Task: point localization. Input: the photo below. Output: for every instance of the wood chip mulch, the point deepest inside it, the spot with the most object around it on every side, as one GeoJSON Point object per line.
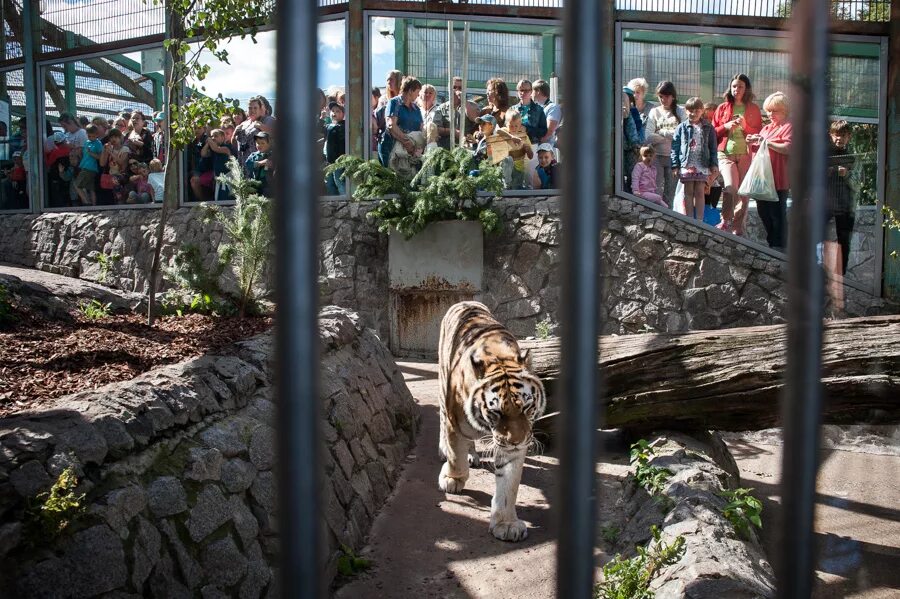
{"type": "Point", "coordinates": [42, 359]}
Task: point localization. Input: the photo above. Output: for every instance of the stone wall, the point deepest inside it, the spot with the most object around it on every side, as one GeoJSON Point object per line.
{"type": "Point", "coordinates": [178, 470]}
{"type": "Point", "coordinates": [660, 273]}
{"type": "Point", "coordinates": [861, 268]}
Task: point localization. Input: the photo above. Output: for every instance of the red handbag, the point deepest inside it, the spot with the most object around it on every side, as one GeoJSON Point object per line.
{"type": "Point", "coordinates": [107, 181]}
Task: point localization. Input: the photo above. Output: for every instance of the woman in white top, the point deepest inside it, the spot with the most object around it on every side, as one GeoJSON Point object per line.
{"type": "Point", "coordinates": [659, 130]}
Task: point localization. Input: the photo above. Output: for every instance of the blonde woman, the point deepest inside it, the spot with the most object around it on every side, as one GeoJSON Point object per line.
{"type": "Point", "coordinates": [640, 87]}
{"type": "Point", "coordinates": [778, 139]}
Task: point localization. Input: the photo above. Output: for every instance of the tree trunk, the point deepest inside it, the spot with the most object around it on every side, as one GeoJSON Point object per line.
{"type": "Point", "coordinates": [732, 379]}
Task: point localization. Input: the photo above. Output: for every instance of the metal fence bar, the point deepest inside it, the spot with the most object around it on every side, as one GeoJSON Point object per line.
{"type": "Point", "coordinates": [802, 400]}
{"type": "Point", "coordinates": [296, 222]}
{"type": "Point", "coordinates": [588, 71]}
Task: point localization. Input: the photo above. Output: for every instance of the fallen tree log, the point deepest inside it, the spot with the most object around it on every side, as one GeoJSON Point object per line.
{"type": "Point", "coordinates": [732, 379]}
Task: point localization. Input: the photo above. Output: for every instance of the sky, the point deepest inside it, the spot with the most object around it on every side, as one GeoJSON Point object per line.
{"type": "Point", "coordinates": [252, 67]}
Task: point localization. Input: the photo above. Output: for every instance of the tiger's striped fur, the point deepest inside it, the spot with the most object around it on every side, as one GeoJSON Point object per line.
{"type": "Point", "coordinates": [486, 389]}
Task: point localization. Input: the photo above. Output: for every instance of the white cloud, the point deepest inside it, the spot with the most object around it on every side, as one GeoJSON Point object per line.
{"type": "Point", "coordinates": [332, 34]}
{"type": "Point", "coordinates": [334, 65]}
{"type": "Point", "coordinates": [251, 68]}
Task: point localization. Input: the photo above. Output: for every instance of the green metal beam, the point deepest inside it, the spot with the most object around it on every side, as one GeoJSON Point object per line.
{"type": "Point", "coordinates": [69, 78]}
{"type": "Point", "coordinates": [742, 42]}
{"type": "Point", "coordinates": [489, 27]}
{"type": "Point", "coordinates": [707, 72]}
{"type": "Point", "coordinates": [31, 44]}
{"type": "Point", "coordinates": [400, 58]}
{"type": "Point", "coordinates": [548, 54]}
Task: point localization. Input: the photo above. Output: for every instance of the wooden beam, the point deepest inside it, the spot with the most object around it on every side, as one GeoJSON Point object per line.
{"type": "Point", "coordinates": [732, 379]}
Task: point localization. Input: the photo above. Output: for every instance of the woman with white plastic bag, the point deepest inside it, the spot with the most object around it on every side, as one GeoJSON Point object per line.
{"type": "Point", "coordinates": [772, 143]}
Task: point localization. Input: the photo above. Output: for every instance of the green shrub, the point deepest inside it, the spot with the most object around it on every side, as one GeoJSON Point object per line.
{"type": "Point", "coordinates": [106, 262]}
{"type": "Point", "coordinates": [248, 226]}
{"type": "Point", "coordinates": [630, 578]}
{"type": "Point", "coordinates": [349, 564]}
{"type": "Point", "coordinates": [52, 512]}
{"type": "Point", "coordinates": [652, 478]}
{"type": "Point", "coordinates": [743, 510]}
{"type": "Point", "coordinates": [544, 328]}
{"type": "Point", "coordinates": [94, 310]}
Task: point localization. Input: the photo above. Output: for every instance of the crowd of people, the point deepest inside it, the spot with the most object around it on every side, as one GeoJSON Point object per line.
{"type": "Point", "coordinates": [407, 121]}
{"type": "Point", "coordinates": [122, 160]}
{"type": "Point", "coordinates": [689, 157]}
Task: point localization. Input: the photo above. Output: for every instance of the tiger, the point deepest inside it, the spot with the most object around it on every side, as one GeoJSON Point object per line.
{"type": "Point", "coordinates": [485, 388]}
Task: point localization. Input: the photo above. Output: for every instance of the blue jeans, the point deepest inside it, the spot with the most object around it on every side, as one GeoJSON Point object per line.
{"type": "Point", "coordinates": [335, 184]}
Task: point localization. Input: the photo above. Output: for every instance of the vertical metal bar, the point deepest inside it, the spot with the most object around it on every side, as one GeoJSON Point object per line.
{"type": "Point", "coordinates": [297, 339]}
{"type": "Point", "coordinates": [450, 81]}
{"type": "Point", "coordinates": [34, 136]}
{"type": "Point", "coordinates": [359, 110]}
{"type": "Point", "coordinates": [802, 400]}
{"type": "Point", "coordinates": [462, 93]}
{"type": "Point", "coordinates": [587, 72]}
{"type": "Point", "coordinates": [892, 152]}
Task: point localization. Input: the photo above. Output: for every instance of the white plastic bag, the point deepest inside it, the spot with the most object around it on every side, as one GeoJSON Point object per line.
{"type": "Point", "coordinates": [759, 183]}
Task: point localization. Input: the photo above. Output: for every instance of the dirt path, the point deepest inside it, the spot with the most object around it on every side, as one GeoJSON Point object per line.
{"type": "Point", "coordinates": [427, 545]}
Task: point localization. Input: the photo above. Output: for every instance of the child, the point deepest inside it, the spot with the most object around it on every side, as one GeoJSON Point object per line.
{"type": "Point", "coordinates": [486, 126]}
{"type": "Point", "coordinates": [694, 156]}
{"type": "Point", "coordinates": [142, 192]}
{"type": "Point", "coordinates": [157, 179]}
{"type": "Point", "coordinates": [841, 193]}
{"type": "Point", "coordinates": [335, 147]}
{"type": "Point", "coordinates": [520, 148]}
{"type": "Point", "coordinates": [260, 164]}
{"type": "Point", "coordinates": [86, 181]}
{"type": "Point", "coordinates": [431, 136]}
{"type": "Point", "coordinates": [547, 170]}
{"type": "Point", "coordinates": [714, 184]}
{"type": "Point", "coordinates": [216, 153]}
{"type": "Point", "coordinates": [643, 178]}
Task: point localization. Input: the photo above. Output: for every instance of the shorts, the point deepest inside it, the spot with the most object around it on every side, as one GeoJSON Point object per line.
{"type": "Point", "coordinates": [208, 179]}
{"type": "Point", "coordinates": [85, 180]}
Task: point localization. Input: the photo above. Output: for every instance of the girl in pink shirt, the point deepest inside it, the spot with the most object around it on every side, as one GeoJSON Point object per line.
{"type": "Point", "coordinates": [643, 178]}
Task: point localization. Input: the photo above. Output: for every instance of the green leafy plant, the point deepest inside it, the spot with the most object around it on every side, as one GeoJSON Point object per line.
{"type": "Point", "coordinates": [630, 578]}
{"type": "Point", "coordinates": [94, 309]}
{"type": "Point", "coordinates": [196, 285]}
{"type": "Point", "coordinates": [248, 225]}
{"type": "Point", "coordinates": [52, 512]}
{"type": "Point", "coordinates": [6, 308]}
{"type": "Point", "coordinates": [652, 478]}
{"type": "Point", "coordinates": [349, 564]}
{"type": "Point", "coordinates": [544, 328]}
{"type": "Point", "coordinates": [446, 188]}
{"type": "Point", "coordinates": [891, 222]}
{"type": "Point", "coordinates": [743, 510]}
{"type": "Point", "coordinates": [610, 533]}
{"type": "Point", "coordinates": [106, 262]}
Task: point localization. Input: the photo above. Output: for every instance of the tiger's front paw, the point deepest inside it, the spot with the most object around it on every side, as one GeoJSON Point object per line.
{"type": "Point", "coordinates": [513, 531]}
{"type": "Point", "coordinates": [450, 484]}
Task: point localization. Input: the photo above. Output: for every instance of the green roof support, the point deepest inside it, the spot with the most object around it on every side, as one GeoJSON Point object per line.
{"type": "Point", "coordinates": [69, 77]}
{"type": "Point", "coordinates": [401, 60]}
{"type": "Point", "coordinates": [33, 123]}
{"type": "Point", "coordinates": [548, 54]}
{"type": "Point", "coordinates": [707, 73]}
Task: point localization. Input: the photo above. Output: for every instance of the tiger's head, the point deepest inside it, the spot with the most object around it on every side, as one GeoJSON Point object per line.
{"type": "Point", "coordinates": [506, 400]}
